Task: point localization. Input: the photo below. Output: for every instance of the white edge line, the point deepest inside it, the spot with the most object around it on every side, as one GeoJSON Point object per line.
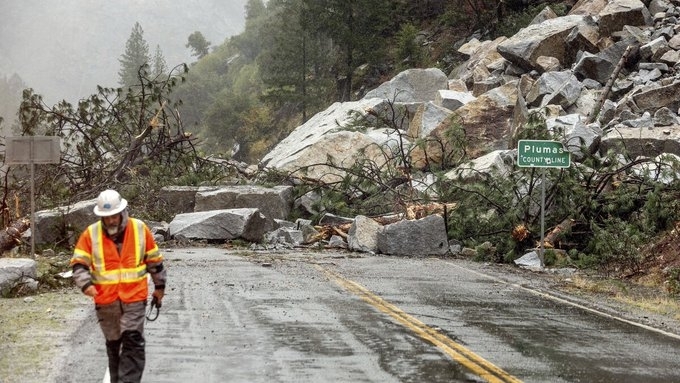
{"type": "Point", "coordinates": [561, 300]}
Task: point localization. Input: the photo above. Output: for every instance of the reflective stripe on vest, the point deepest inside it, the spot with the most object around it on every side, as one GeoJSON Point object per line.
{"type": "Point", "coordinates": [82, 257]}
{"type": "Point", "coordinates": [100, 274]}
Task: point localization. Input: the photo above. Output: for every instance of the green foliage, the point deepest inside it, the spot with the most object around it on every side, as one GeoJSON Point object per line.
{"type": "Point", "coordinates": [356, 29]}
{"type": "Point", "coordinates": [549, 257]}
{"type": "Point", "coordinates": [485, 211]}
{"type": "Point", "coordinates": [515, 21]}
{"type": "Point", "coordinates": [255, 9]}
{"type": "Point", "coordinates": [130, 140]}
{"type": "Point", "coordinates": [485, 252]}
{"type": "Point", "coordinates": [408, 49]}
{"type": "Point", "coordinates": [617, 244]}
{"type": "Point", "coordinates": [249, 43]}
{"type": "Point", "coordinates": [296, 66]}
{"type": "Point", "coordinates": [159, 67]}
{"type": "Point", "coordinates": [198, 45]}
{"type": "Point", "coordinates": [135, 61]}
{"type": "Point", "coordinates": [237, 121]}
{"type": "Point", "coordinates": [673, 281]}
{"type": "Point", "coordinates": [661, 209]}
{"type": "Point", "coordinates": [453, 17]}
{"type": "Point", "coordinates": [518, 16]}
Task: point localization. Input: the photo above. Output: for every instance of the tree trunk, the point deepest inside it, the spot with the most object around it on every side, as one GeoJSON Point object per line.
{"type": "Point", "coordinates": [11, 236]}
{"type": "Point", "coordinates": [556, 234]}
{"type": "Point", "coordinates": [595, 113]}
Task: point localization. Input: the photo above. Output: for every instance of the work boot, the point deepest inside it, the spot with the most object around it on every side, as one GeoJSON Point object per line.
{"type": "Point", "coordinates": [132, 357]}
{"type": "Point", "coordinates": [113, 351]}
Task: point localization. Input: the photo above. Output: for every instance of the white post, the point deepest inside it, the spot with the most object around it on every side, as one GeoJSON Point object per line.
{"type": "Point", "coordinates": [541, 255]}
{"type": "Point", "coordinates": [33, 231]}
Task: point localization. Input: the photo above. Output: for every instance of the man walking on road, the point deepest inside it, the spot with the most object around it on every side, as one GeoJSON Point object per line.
{"type": "Point", "coordinates": [110, 263]}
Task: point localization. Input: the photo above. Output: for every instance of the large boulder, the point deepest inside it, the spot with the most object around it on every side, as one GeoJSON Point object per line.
{"type": "Point", "coordinates": [561, 38]}
{"type": "Point", "coordinates": [274, 202]}
{"type": "Point", "coordinates": [422, 237]}
{"type": "Point", "coordinates": [363, 234]}
{"type": "Point", "coordinates": [499, 163]}
{"type": "Point", "coordinates": [643, 141]}
{"type": "Point", "coordinates": [332, 135]}
{"type": "Point", "coordinates": [14, 271]}
{"type": "Point", "coordinates": [426, 119]}
{"type": "Point", "coordinates": [487, 122]}
{"type": "Point", "coordinates": [483, 58]}
{"type": "Point", "coordinates": [656, 97]}
{"type": "Point", "coordinates": [220, 225]}
{"type": "Point", "coordinates": [619, 13]}
{"type": "Point", "coordinates": [63, 225]}
{"type": "Point", "coordinates": [181, 199]}
{"type": "Point", "coordinates": [555, 88]}
{"type": "Point", "coordinates": [412, 85]}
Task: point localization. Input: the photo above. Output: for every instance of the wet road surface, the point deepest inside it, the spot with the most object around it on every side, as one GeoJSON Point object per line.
{"type": "Point", "coordinates": [323, 317]}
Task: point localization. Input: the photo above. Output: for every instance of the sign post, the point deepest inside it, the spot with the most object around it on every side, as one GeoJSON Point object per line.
{"type": "Point", "coordinates": [542, 154]}
{"type": "Point", "coordinates": [32, 150]}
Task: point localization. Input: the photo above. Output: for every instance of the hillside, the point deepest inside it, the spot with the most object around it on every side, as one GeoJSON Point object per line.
{"type": "Point", "coordinates": [252, 90]}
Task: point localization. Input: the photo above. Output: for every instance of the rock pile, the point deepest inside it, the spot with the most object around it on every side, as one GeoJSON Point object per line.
{"type": "Point", "coordinates": [606, 75]}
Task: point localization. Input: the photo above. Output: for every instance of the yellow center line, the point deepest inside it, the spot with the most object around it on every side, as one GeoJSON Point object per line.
{"type": "Point", "coordinates": [475, 363]}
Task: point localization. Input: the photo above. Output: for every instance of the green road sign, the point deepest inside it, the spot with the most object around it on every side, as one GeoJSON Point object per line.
{"type": "Point", "coordinates": [542, 154]}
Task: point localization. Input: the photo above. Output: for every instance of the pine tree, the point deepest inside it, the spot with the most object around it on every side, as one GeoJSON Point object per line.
{"type": "Point", "coordinates": [249, 43]}
{"type": "Point", "coordinates": [135, 57]}
{"type": "Point", "coordinates": [198, 44]}
{"type": "Point", "coordinates": [160, 67]}
{"type": "Point", "coordinates": [296, 60]}
{"type": "Point", "coordinates": [255, 9]}
{"type": "Point", "coordinates": [356, 28]}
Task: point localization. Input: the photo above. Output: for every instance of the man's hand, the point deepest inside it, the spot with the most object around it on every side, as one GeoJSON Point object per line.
{"type": "Point", "coordinates": [90, 291]}
{"type": "Point", "coordinates": [158, 294]}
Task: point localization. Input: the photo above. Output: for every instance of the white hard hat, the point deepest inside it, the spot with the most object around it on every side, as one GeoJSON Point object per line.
{"type": "Point", "coordinates": [109, 203]}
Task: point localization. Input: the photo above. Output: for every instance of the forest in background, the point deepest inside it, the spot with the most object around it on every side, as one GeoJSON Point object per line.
{"type": "Point", "coordinates": [296, 57]}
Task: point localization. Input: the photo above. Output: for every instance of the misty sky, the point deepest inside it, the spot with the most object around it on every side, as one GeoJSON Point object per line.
{"type": "Point", "coordinates": [63, 49]}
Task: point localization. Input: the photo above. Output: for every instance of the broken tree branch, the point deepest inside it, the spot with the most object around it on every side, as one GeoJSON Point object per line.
{"type": "Point", "coordinates": [608, 87]}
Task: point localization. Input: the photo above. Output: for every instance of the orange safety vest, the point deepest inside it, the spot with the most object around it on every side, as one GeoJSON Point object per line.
{"type": "Point", "coordinates": [118, 276]}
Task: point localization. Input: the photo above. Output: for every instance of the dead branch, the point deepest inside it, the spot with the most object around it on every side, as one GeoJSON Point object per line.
{"type": "Point", "coordinates": [608, 87]}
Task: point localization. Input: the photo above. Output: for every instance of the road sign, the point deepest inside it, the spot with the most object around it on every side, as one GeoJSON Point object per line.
{"type": "Point", "coordinates": [32, 149]}
{"type": "Point", "coordinates": [542, 154]}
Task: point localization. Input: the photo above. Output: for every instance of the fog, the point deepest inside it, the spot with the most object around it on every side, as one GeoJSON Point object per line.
{"type": "Point", "coordinates": [63, 49]}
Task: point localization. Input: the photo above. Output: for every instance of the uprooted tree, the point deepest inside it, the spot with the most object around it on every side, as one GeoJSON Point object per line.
{"type": "Point", "coordinates": [598, 212]}
{"type": "Point", "coordinates": [131, 139]}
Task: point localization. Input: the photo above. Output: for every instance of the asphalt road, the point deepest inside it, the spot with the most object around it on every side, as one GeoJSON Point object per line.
{"type": "Point", "coordinates": [325, 317]}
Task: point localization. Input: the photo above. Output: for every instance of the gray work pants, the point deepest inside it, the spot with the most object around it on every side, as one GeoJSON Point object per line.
{"type": "Point", "coordinates": [123, 328]}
